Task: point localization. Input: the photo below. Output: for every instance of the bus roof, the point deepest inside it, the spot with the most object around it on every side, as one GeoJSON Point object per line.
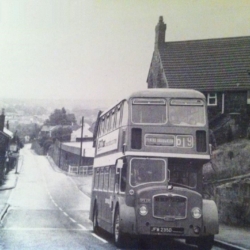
{"type": "Point", "coordinates": [167, 92]}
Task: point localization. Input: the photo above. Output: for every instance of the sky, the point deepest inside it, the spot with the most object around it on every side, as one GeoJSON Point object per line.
{"type": "Point", "coordinates": [99, 50]}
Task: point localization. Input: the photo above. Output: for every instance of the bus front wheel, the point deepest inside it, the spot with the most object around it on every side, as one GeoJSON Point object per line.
{"type": "Point", "coordinates": [119, 238]}
{"type": "Point", "coordinates": [95, 221]}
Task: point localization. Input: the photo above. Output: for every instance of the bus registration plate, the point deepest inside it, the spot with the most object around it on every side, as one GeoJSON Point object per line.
{"type": "Point", "coordinates": [156, 230]}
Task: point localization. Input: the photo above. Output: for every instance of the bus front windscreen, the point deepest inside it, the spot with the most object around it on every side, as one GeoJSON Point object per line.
{"type": "Point", "coordinates": [144, 171]}
{"type": "Point", "coordinates": [187, 112]}
{"type": "Point", "coordinates": [149, 111]}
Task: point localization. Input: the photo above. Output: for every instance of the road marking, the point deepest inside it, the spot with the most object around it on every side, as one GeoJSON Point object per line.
{"type": "Point", "coordinates": [99, 238]}
{"type": "Point", "coordinates": [81, 226]}
{"type": "Point", "coordinates": [48, 191]}
{"type": "Point", "coordinates": [72, 219]}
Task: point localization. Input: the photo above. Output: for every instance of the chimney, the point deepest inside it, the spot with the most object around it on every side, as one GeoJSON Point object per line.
{"type": "Point", "coordinates": [2, 120]}
{"type": "Point", "coordinates": [160, 31]}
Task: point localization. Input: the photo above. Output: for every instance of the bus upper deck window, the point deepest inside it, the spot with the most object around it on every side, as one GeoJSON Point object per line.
{"type": "Point", "coordinates": [108, 123]}
{"type": "Point", "coordinates": [149, 111]}
{"type": "Point", "coordinates": [187, 112]}
{"type": "Point", "coordinates": [118, 116]}
{"type": "Point", "coordinates": [103, 125]}
{"type": "Point", "coordinates": [112, 125]}
{"type": "Point", "coordinates": [115, 117]}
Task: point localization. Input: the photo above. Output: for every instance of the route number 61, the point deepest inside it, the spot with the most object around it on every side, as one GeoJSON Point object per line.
{"type": "Point", "coordinates": [184, 141]}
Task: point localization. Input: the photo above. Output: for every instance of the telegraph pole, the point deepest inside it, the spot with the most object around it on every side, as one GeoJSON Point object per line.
{"type": "Point", "coordinates": [80, 160]}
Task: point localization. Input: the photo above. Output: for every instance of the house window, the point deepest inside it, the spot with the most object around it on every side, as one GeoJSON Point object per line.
{"type": "Point", "coordinates": [212, 99]}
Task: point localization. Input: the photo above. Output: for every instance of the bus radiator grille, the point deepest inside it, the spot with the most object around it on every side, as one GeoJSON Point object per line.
{"type": "Point", "coordinates": [169, 207]}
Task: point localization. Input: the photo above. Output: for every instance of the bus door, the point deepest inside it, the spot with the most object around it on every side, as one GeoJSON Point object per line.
{"type": "Point", "coordinates": [118, 168]}
{"type": "Point", "coordinates": [121, 177]}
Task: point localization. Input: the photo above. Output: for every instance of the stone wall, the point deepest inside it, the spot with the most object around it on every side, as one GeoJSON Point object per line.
{"type": "Point", "coordinates": [63, 158]}
{"type": "Point", "coordinates": [227, 181]}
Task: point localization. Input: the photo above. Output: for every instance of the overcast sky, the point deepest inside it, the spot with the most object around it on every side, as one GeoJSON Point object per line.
{"type": "Point", "coordinates": [86, 49]}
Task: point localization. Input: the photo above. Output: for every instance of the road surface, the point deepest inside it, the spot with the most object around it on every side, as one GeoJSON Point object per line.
{"type": "Point", "coordinates": [48, 211]}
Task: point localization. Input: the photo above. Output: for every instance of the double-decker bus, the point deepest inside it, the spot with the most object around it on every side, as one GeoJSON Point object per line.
{"type": "Point", "coordinates": [147, 180]}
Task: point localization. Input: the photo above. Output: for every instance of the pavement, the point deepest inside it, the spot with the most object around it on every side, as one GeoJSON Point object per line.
{"type": "Point", "coordinates": [235, 237]}
{"type": "Point", "coordinates": [9, 183]}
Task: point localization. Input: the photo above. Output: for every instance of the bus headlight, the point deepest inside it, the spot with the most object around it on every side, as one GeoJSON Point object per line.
{"type": "Point", "coordinates": [143, 210]}
{"type": "Point", "coordinates": [196, 212]}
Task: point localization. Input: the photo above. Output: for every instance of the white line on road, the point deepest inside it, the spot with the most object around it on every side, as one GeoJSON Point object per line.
{"type": "Point", "coordinates": [48, 191]}
{"type": "Point", "coordinates": [72, 219]}
{"type": "Point", "coordinates": [99, 238]}
{"type": "Point", "coordinates": [81, 226]}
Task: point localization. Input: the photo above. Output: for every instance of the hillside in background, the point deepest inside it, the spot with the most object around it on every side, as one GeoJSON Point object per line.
{"type": "Point", "coordinates": [28, 116]}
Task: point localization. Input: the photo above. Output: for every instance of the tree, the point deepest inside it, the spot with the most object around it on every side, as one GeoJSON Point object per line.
{"type": "Point", "coordinates": [62, 133]}
{"type": "Point", "coordinates": [60, 117]}
{"type": "Point", "coordinates": [62, 122]}
{"type": "Point", "coordinates": [31, 130]}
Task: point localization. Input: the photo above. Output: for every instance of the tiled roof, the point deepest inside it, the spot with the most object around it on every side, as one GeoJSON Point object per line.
{"type": "Point", "coordinates": [86, 132]}
{"type": "Point", "coordinates": [8, 132]}
{"type": "Point", "coordinates": [208, 65]}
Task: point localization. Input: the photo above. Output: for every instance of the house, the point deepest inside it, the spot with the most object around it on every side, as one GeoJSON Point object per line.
{"type": "Point", "coordinates": [219, 68]}
{"type": "Point", "coordinates": [86, 136]}
{"type": "Point", "coordinates": [46, 131]}
{"type": "Point", "coordinates": [71, 151]}
{"type": "Point", "coordinates": [5, 137]}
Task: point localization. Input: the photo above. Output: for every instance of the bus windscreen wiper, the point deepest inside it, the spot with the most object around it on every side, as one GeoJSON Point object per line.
{"type": "Point", "coordinates": [178, 184]}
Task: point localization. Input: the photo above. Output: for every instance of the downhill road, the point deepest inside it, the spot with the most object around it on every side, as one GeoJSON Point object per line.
{"type": "Point", "coordinates": [48, 211]}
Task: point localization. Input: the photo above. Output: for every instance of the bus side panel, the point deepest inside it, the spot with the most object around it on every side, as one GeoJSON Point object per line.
{"type": "Point", "coordinates": [91, 211]}
{"type": "Point", "coordinates": [210, 218]}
